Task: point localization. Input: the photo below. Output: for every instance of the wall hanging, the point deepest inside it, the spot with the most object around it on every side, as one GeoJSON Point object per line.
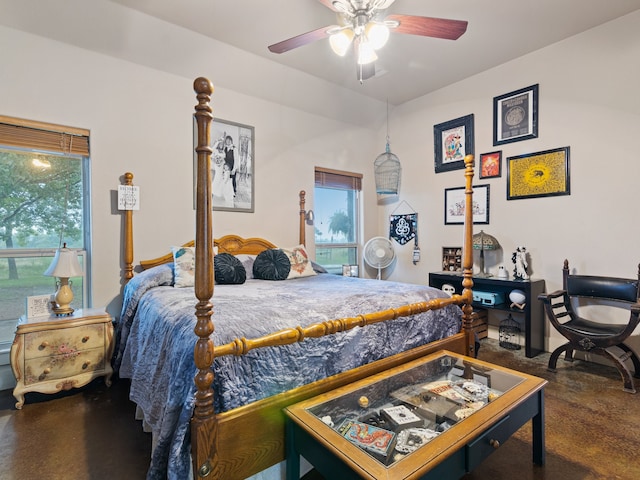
{"type": "Point", "coordinates": [404, 227]}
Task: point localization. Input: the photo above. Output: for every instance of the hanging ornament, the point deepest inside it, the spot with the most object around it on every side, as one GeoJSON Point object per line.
{"type": "Point", "coordinates": [387, 169]}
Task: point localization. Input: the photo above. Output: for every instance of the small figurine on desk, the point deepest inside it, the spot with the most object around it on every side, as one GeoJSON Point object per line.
{"type": "Point", "coordinates": [519, 258]}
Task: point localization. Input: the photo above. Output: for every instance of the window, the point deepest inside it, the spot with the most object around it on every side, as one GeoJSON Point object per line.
{"type": "Point", "coordinates": [336, 208]}
{"type": "Point", "coordinates": [44, 203]}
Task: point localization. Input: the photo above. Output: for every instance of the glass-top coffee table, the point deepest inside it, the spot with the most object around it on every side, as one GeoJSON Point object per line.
{"type": "Point", "coordinates": [437, 417]}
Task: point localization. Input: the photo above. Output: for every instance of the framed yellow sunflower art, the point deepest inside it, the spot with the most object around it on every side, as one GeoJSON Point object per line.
{"type": "Point", "coordinates": [540, 174]}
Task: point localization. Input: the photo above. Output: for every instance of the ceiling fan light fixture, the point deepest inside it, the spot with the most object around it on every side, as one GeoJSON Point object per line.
{"type": "Point", "coordinates": [366, 53]}
{"type": "Point", "coordinates": [377, 34]}
{"type": "Point", "coordinates": [340, 41]}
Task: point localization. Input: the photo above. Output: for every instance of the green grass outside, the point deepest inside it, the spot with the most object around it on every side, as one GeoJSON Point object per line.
{"type": "Point", "coordinates": [31, 281]}
{"type": "Point", "coordinates": [333, 258]}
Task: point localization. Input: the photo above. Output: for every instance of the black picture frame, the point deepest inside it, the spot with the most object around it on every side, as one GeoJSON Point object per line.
{"type": "Point", "coordinates": [490, 165]}
{"type": "Point", "coordinates": [540, 174]}
{"type": "Point", "coordinates": [227, 196]}
{"type": "Point", "coordinates": [454, 205]}
{"type": "Point", "coordinates": [452, 141]}
{"type": "Point", "coordinates": [515, 116]}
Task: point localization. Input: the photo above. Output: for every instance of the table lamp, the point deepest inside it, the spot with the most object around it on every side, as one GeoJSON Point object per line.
{"type": "Point", "coordinates": [64, 265]}
{"type": "Point", "coordinates": [482, 242]}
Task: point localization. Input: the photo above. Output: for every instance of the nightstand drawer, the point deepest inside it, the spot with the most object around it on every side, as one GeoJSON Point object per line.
{"type": "Point", "coordinates": [64, 341]}
{"type": "Point", "coordinates": [63, 366]}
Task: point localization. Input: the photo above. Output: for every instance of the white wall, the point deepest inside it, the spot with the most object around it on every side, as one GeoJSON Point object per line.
{"type": "Point", "coordinates": [588, 101]}
{"type": "Point", "coordinates": [140, 121]}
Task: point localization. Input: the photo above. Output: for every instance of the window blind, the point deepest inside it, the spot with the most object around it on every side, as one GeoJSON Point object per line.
{"type": "Point", "coordinates": [326, 177]}
{"type": "Point", "coordinates": [15, 132]}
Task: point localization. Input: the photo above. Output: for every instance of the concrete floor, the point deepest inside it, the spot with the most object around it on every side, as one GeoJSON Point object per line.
{"type": "Point", "coordinates": [592, 430]}
{"type": "Point", "coordinates": [88, 433]}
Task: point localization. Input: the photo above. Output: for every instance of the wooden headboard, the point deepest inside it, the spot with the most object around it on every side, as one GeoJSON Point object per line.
{"type": "Point", "coordinates": [232, 244]}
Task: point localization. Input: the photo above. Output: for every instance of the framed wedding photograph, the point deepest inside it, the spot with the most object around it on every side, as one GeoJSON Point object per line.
{"type": "Point", "coordinates": [490, 165]}
{"type": "Point", "coordinates": [454, 205]}
{"type": "Point", "coordinates": [515, 116]}
{"type": "Point", "coordinates": [452, 140]}
{"type": "Point", "coordinates": [232, 165]}
{"type": "Point", "coordinates": [540, 174]}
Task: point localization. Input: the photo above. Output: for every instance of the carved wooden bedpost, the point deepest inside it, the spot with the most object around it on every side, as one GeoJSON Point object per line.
{"type": "Point", "coordinates": [203, 423]}
{"type": "Point", "coordinates": [128, 236]}
{"type": "Point", "coordinates": [467, 260]}
{"type": "Point", "coordinates": [303, 213]}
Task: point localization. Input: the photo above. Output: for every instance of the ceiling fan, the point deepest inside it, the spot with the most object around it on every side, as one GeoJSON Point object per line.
{"type": "Point", "coordinates": [363, 24]}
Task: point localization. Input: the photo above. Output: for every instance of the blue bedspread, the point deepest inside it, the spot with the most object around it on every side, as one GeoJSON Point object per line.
{"type": "Point", "coordinates": [155, 342]}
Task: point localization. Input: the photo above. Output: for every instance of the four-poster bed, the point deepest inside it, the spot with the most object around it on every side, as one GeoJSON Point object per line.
{"type": "Point", "coordinates": [240, 440]}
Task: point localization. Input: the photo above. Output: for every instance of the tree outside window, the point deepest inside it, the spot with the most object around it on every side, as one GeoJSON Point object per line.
{"type": "Point", "coordinates": [41, 206]}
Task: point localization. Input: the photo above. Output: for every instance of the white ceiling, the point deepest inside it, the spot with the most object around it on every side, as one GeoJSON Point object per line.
{"type": "Point", "coordinates": [412, 66]}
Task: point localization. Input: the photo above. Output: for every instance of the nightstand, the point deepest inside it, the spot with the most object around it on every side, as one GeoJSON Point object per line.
{"type": "Point", "coordinates": [50, 354]}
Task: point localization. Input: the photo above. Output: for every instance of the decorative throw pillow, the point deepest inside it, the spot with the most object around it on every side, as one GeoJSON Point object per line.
{"type": "Point", "coordinates": [184, 266]}
{"type": "Point", "coordinates": [228, 269]}
{"type": "Point", "coordinates": [247, 261]}
{"type": "Point", "coordinates": [272, 264]}
{"type": "Point", "coordinates": [300, 263]}
{"type": "Point", "coordinates": [318, 268]}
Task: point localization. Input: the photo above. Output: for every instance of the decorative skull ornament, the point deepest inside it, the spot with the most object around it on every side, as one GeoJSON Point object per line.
{"type": "Point", "coordinates": [448, 289]}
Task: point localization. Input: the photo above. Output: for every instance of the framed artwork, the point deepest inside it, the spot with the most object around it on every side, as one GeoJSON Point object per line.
{"type": "Point", "coordinates": [454, 205]}
{"type": "Point", "coordinates": [232, 165]}
{"type": "Point", "coordinates": [515, 116]}
{"type": "Point", "coordinates": [452, 140]}
{"type": "Point", "coordinates": [541, 174]}
{"type": "Point", "coordinates": [491, 164]}
{"type": "Point", "coordinates": [350, 270]}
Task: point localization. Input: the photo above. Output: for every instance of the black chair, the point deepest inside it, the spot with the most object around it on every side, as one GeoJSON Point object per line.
{"type": "Point", "coordinates": [585, 335]}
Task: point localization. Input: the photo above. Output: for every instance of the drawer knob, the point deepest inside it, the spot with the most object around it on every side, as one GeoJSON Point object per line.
{"type": "Point", "coordinates": [494, 443]}
{"type": "Point", "coordinates": [46, 371]}
{"type": "Point", "coordinates": [86, 364]}
{"type": "Point", "coordinates": [43, 345]}
{"type": "Point", "coordinates": [85, 339]}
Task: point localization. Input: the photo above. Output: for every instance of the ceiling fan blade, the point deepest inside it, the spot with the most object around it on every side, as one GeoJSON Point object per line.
{"type": "Point", "coordinates": [382, 4]}
{"type": "Point", "coordinates": [429, 26]}
{"type": "Point", "coordinates": [300, 40]}
{"type": "Point", "coordinates": [328, 4]}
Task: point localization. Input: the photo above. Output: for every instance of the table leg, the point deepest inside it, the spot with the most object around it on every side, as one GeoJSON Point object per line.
{"type": "Point", "coordinates": [537, 424]}
{"type": "Point", "coordinates": [293, 457]}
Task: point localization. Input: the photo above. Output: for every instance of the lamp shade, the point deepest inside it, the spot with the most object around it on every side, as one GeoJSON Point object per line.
{"type": "Point", "coordinates": [341, 41]}
{"type": "Point", "coordinates": [365, 52]}
{"type": "Point", "coordinates": [378, 34]}
{"type": "Point", "coordinates": [65, 264]}
{"type": "Point", "coordinates": [483, 241]}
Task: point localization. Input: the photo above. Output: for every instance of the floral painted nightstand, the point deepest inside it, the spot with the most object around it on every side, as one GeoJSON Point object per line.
{"type": "Point", "coordinates": [50, 354]}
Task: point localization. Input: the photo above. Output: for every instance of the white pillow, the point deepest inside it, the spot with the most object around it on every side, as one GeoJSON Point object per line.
{"type": "Point", "coordinates": [300, 262]}
{"type": "Point", "coordinates": [184, 266]}
{"type": "Point", "coordinates": [247, 262]}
